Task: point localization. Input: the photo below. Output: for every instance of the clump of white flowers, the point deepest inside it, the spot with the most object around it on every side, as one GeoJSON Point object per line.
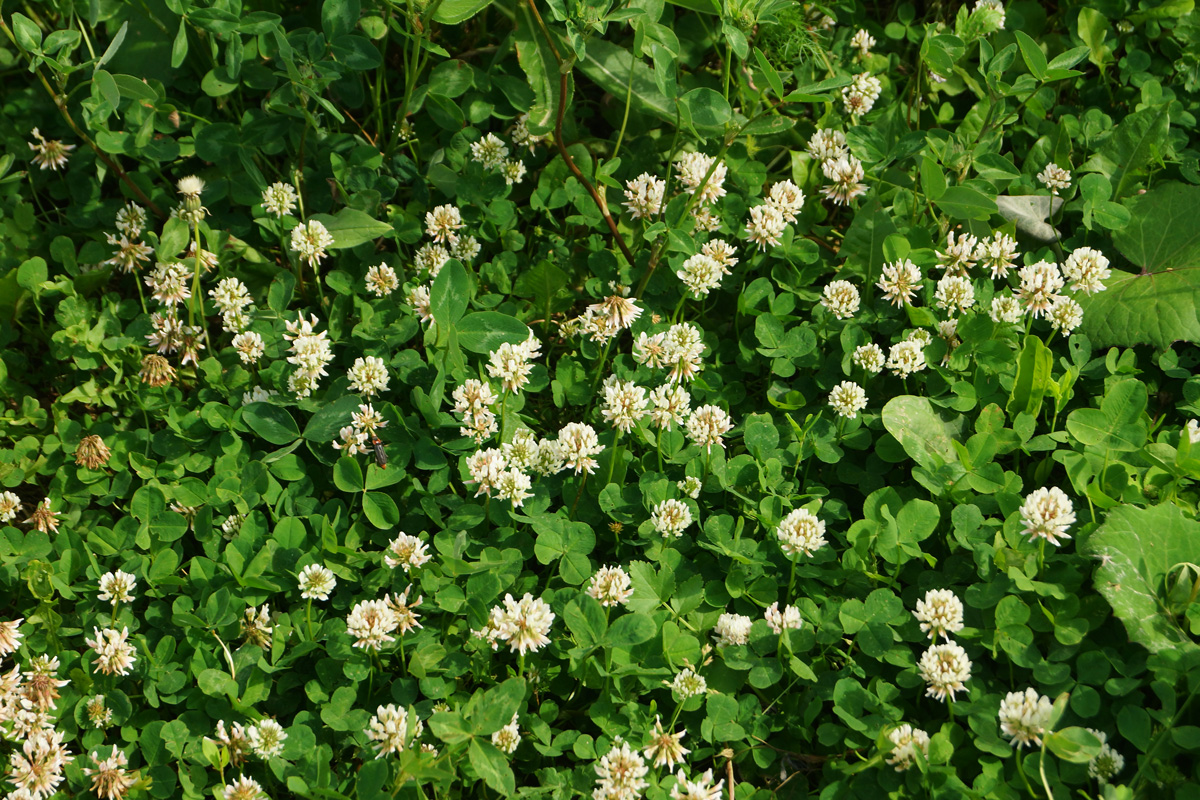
{"type": "Point", "coordinates": [960, 253]}
{"type": "Point", "coordinates": [692, 169]}
{"type": "Point", "coordinates": [114, 654]}
{"type": "Point", "coordinates": [489, 152]}
{"type": "Point", "coordinates": [117, 587]}
{"type": "Point", "coordinates": [624, 403]}
{"type": "Point", "coordinates": [1087, 270]}
{"type": "Point", "coordinates": [620, 774]}
{"type": "Point", "coordinates": [407, 552]}
{"type": "Point", "coordinates": [524, 624]}
{"type": "Point", "coordinates": [266, 739]}
{"type": "Point", "coordinates": [845, 175]}
{"type": "Point", "coordinates": [732, 629]}
{"type": "Point", "coordinates": [49, 153]}
{"type": "Point", "coordinates": [700, 274]}
{"type": "Point", "coordinates": [841, 298]}
{"type": "Point", "coordinates": [907, 357]}
{"type": "Point", "coordinates": [368, 376]}
{"type": "Point", "coordinates": [316, 582]}
{"type": "Point", "coordinates": [644, 196]}
{"type": "Point", "coordinates": [766, 225]}
{"type": "Point", "coordinates": [869, 357]}
{"type": "Point", "coordinates": [356, 437]}
{"type": "Point", "coordinates": [310, 352]}
{"type": "Point", "coordinates": [954, 294]}
{"type": "Point", "coordinates": [311, 241]}
{"type": "Point", "coordinates": [847, 399]}
{"type": "Point", "coordinates": [1046, 514]}
{"type": "Point", "coordinates": [671, 518]}
{"type": "Point", "coordinates": [827, 144]}
{"type": "Point", "coordinates": [786, 620]}
{"type": "Point", "coordinates": [860, 96]}
{"type": "Point", "coordinates": [1055, 178]}
{"type": "Point", "coordinates": [801, 533]}
{"type": "Point", "coordinates": [472, 402]}
{"type": "Point", "coordinates": [578, 443]}
{"type": "Point", "coordinates": [906, 741]}
{"type": "Point", "coordinates": [382, 280]}
{"type": "Point", "coordinates": [1039, 287]}
{"type": "Point", "coordinates": [443, 223]}
{"type": "Point", "coordinates": [940, 613]}
{"type": "Point", "coordinates": [279, 199]}
{"type": "Point", "coordinates": [708, 425]}
{"type": "Point", "coordinates": [900, 281]}
{"type": "Point", "coordinates": [689, 683]}
{"type": "Point", "coordinates": [998, 254]}
{"type": "Point", "coordinates": [1024, 717]}
{"type": "Point", "coordinates": [946, 668]}
{"type": "Point", "coordinates": [610, 586]}
{"type": "Point", "coordinates": [511, 364]}
{"type": "Point", "coordinates": [393, 730]}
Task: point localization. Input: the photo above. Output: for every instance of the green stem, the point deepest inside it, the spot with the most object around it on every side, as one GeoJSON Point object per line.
{"type": "Point", "coordinates": [612, 461]}
{"type": "Point", "coordinates": [1042, 772]}
{"type": "Point", "coordinates": [308, 619]}
{"type": "Point", "coordinates": [628, 98]}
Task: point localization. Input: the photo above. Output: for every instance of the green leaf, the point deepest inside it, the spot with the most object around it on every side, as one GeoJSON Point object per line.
{"type": "Point", "coordinates": [541, 70]}
{"type": "Point", "coordinates": [347, 474]}
{"type": "Point", "coordinates": [1033, 381]}
{"type": "Point", "coordinates": [769, 73]}
{"type": "Point", "coordinates": [174, 238]}
{"type": "Point", "coordinates": [631, 629]}
{"type": "Point", "coordinates": [1035, 59]}
{"type": "Point", "coordinates": [484, 331]}
{"type": "Point", "coordinates": [706, 110]}
{"type": "Point", "coordinates": [1077, 745]}
{"type": "Point", "coordinates": [1137, 549]}
{"type": "Point", "coordinates": [933, 179]}
{"type": "Point", "coordinates": [450, 727]}
{"type": "Point", "coordinates": [324, 426]}
{"type": "Point", "coordinates": [920, 431]}
{"type": "Point", "coordinates": [450, 294]}
{"type": "Point", "coordinates": [1118, 424]}
{"type": "Point", "coordinates": [351, 227]}
{"type": "Point", "coordinates": [1140, 137]}
{"type": "Point", "coordinates": [452, 12]}
{"type": "Point", "coordinates": [108, 87]}
{"type": "Point", "coordinates": [497, 707]}
{"type": "Point", "coordinates": [27, 33]}
{"type": "Point", "coordinates": [381, 510]}
{"type": "Point", "coordinates": [272, 423]}
{"type": "Point", "coordinates": [338, 17]}
{"type": "Point", "coordinates": [492, 766]}
{"type": "Point", "coordinates": [963, 202]}
{"type": "Point", "coordinates": [32, 274]}
{"type": "Point", "coordinates": [608, 65]}
{"type": "Point", "coordinates": [1092, 28]}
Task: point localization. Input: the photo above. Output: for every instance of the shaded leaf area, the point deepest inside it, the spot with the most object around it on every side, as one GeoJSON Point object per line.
{"type": "Point", "coordinates": [1159, 305]}
{"type": "Point", "coordinates": [1139, 548]}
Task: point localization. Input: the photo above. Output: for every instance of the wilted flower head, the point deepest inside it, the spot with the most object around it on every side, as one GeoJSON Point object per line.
{"type": "Point", "coordinates": [156, 371]}
{"type": "Point", "coordinates": [92, 452]}
{"type": "Point", "coordinates": [44, 518]}
{"type": "Point", "coordinates": [1024, 717]}
{"type": "Point", "coordinates": [256, 625]}
{"type": "Point", "coordinates": [665, 749]}
{"type": "Point", "coordinates": [49, 153]}
{"type": "Point", "coordinates": [1046, 514]}
{"type": "Point", "coordinates": [946, 668]}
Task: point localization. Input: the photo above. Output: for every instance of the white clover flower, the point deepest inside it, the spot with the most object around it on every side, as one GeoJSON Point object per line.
{"type": "Point", "coordinates": [690, 486]}
{"type": "Point", "coordinates": [316, 582]}
{"type": "Point", "coordinates": [170, 284]}
{"type": "Point", "coordinates": [620, 774]}
{"type": "Point", "coordinates": [525, 623]}
{"type": "Point", "coordinates": [473, 395]}
{"type": "Point", "coordinates": [846, 174]}
{"type": "Point", "coordinates": [129, 254]}
{"type": "Point", "coordinates": [1108, 762]}
{"type": "Point", "coordinates": [1005, 308]}
{"type": "Point", "coordinates": [266, 739]}
{"type": "Point", "coordinates": [114, 654]}
{"type": "Point", "coordinates": [906, 357]}
{"type": "Point", "coordinates": [489, 152]}
{"type": "Point", "coordinates": [1054, 178]}
{"type": "Point", "coordinates": [841, 298]}
{"type": "Point", "coordinates": [700, 274]}
{"type": "Point", "coordinates": [906, 741]}
{"type": "Point", "coordinates": [131, 219]}
{"type": "Point", "coordinates": [578, 443]}
{"type": "Point", "coordinates": [610, 586]}
{"type": "Point", "coordinates": [406, 618]}
{"type": "Point", "coordinates": [708, 425]}
{"type": "Point", "coordinates": [722, 252]}
{"type": "Point", "coordinates": [10, 505]}
{"type": "Point", "coordinates": [513, 485]}
{"type": "Point", "coordinates": [310, 352]}
{"type": "Point", "coordinates": [860, 96]}
{"type": "Point", "coordinates": [670, 405]}
{"type": "Point", "coordinates": [644, 196]}
{"type": "Point", "coordinates": [191, 186]}
{"type": "Point", "coordinates": [249, 346]}
{"type": "Point", "coordinates": [671, 518]}
{"type": "Point", "coordinates": [862, 42]}
{"type": "Point", "coordinates": [954, 294]}
{"type": "Point", "coordinates": [665, 749]}
{"type": "Point", "coordinates": [311, 241]}
{"type": "Point", "coordinates": [1024, 717]}
{"type": "Point", "coordinates": [486, 468]}
{"type": "Point", "coordinates": [244, 788]}
{"type": "Point", "coordinates": [522, 137]}
{"type": "Point", "coordinates": [431, 258]}
{"type": "Point", "coordinates": [702, 788]}
{"type": "Point", "coordinates": [117, 587]}
{"type": "Point", "coordinates": [1087, 269]}
{"type": "Point", "coordinates": [371, 624]}
{"type": "Point", "coordinates": [900, 281]}
{"type": "Point", "coordinates": [940, 613]}
{"type": "Point", "coordinates": [49, 153]}
{"type": "Point", "coordinates": [766, 225]}
{"type": "Point", "coordinates": [511, 365]}
{"type": "Point", "coordinates": [110, 779]}
{"type": "Point", "coordinates": [847, 399]}
{"type": "Point", "coordinates": [443, 223]}
{"type": "Point", "coordinates": [689, 683]}
{"type": "Point", "coordinates": [1193, 434]}
{"type": "Point", "coordinates": [706, 219]}
{"type": "Point", "coordinates": [279, 199]}
{"type": "Point", "coordinates": [960, 253]}
{"type": "Point", "coordinates": [787, 198]}
{"type": "Point", "coordinates": [692, 169]}
{"type": "Point", "coordinates": [368, 376]}
{"type": "Point", "coordinates": [513, 170]}
{"type": "Point", "coordinates": [256, 625]}
{"type": "Point", "coordinates": [624, 403]}
{"type": "Point", "coordinates": [869, 357]}
{"type": "Point", "coordinates": [613, 315]}
{"type": "Point", "coordinates": [508, 738]}
{"type": "Point", "coordinates": [367, 419]}
{"type": "Point", "coordinates": [522, 450]}
{"type": "Point", "coordinates": [1039, 287]}
{"type": "Point", "coordinates": [995, 6]}
{"type": "Point", "coordinates": [1046, 514]}
{"type": "Point", "coordinates": [787, 620]}
{"type": "Point", "coordinates": [10, 636]}
{"type": "Point", "coordinates": [650, 350]}
{"type": "Point", "coordinates": [801, 533]}
{"type": "Point", "coordinates": [393, 730]}
{"type": "Point", "coordinates": [465, 248]}
{"type": "Point", "coordinates": [732, 629]}
{"type": "Point", "coordinates": [406, 551]}
{"type": "Point", "coordinates": [381, 280]}
{"type": "Point", "coordinates": [946, 668]}
{"type": "Point", "coordinates": [997, 254]}
{"type": "Point", "coordinates": [827, 145]}
{"type": "Point", "coordinates": [1064, 314]}
{"type": "Point", "coordinates": [682, 348]}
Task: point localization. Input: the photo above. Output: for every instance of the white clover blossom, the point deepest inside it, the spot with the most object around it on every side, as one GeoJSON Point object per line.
{"type": "Point", "coordinates": [869, 357]}
{"type": "Point", "coordinates": [10, 505]}
{"type": "Point", "coordinates": [49, 153]}
{"type": "Point", "coordinates": [786, 620]}
{"type": "Point", "coordinates": [690, 486]}
{"type": "Point", "coordinates": [862, 42]}
{"type": "Point", "coordinates": [1024, 717]}
{"type": "Point", "coordinates": [114, 654]}
{"type": "Point", "coordinates": [954, 294]}
{"type": "Point", "coordinates": [692, 169]}
{"type": "Point", "coordinates": [827, 145]}
{"type": "Point", "coordinates": [368, 376]}
{"type": "Point", "coordinates": [508, 738]}
{"type": "Point", "coordinates": [801, 533]}
{"type": "Point", "coordinates": [525, 624]}
{"type": "Point", "coordinates": [1039, 287]}
{"type": "Point", "coordinates": [266, 739]}
{"type": "Point", "coordinates": [311, 241]}
{"type": "Point", "coordinates": [960, 253]}
{"type": "Point", "coordinates": [1005, 308]}
{"type": "Point", "coordinates": [1065, 314]}
{"type": "Point", "coordinates": [689, 683]}
{"type": "Point", "coordinates": [443, 223]}
{"type": "Point", "coordinates": [579, 443]}
{"type": "Point", "coordinates": [665, 749]}
{"type": "Point", "coordinates": [906, 357]}
{"type": "Point", "coordinates": [393, 730]}
{"type": "Point", "coordinates": [946, 668]}
{"type": "Point", "coordinates": [382, 280]}
{"type": "Point", "coordinates": [847, 399]}
{"type": "Point", "coordinates": [1046, 514]}
{"type": "Point", "coordinates": [900, 281]}
{"type": "Point", "coordinates": [860, 96]}
{"type": "Point", "coordinates": [1087, 269]}
{"type": "Point", "coordinates": [610, 586]}
{"type": "Point", "coordinates": [766, 225]}
{"type": "Point", "coordinates": [1054, 178]}
{"type": "Point", "coordinates": [669, 406]}
{"type": "Point", "coordinates": [700, 274]}
{"type": "Point", "coordinates": [279, 199]}
{"type": "Point", "coordinates": [1105, 765]}
{"type": "Point", "coordinates": [940, 613]}
{"type": "Point", "coordinates": [998, 254]}
{"type": "Point", "coordinates": [708, 425]}
{"type": "Point", "coordinates": [371, 624]}
{"type": "Point", "coordinates": [787, 198]}
{"type": "Point", "coordinates": [644, 196]}
{"type": "Point", "coordinates": [514, 486]}
{"type": "Point", "coordinates": [117, 587]}
{"type": "Point", "coordinates": [682, 348]}
{"type": "Point", "coordinates": [316, 582]}
{"type": "Point", "coordinates": [620, 774]}
{"type": "Point", "coordinates": [489, 152]}
{"type": "Point", "coordinates": [624, 404]}
{"type": "Point", "coordinates": [841, 298]}
{"type": "Point", "coordinates": [513, 170]}
{"type": "Point", "coordinates": [906, 741]}
{"type": "Point", "coordinates": [431, 257]}
{"type": "Point", "coordinates": [699, 788]}
{"type": "Point", "coordinates": [406, 551]}
{"type": "Point", "coordinates": [732, 629]}
{"type": "Point", "coordinates": [671, 518]}
{"type": "Point", "coordinates": [846, 175]}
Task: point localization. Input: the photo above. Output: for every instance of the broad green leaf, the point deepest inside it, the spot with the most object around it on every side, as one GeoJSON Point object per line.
{"type": "Point", "coordinates": [27, 33]}
{"type": "Point", "coordinates": [323, 427]}
{"type": "Point", "coordinates": [347, 474]}
{"type": "Point", "coordinates": [1137, 549]}
{"type": "Point", "coordinates": [1136, 141]}
{"type": "Point", "coordinates": [272, 423]}
{"type": "Point", "coordinates": [1092, 28]}
{"type": "Point", "coordinates": [920, 431]}
{"type": "Point", "coordinates": [608, 65]}
{"type": "Point", "coordinates": [452, 12]}
{"type": "Point", "coordinates": [1030, 212]}
{"type": "Point", "coordinates": [351, 227]}
{"type": "Point", "coordinates": [963, 202]}
{"type": "Point", "coordinates": [492, 766]}
{"type": "Point", "coordinates": [541, 70]}
{"type": "Point", "coordinates": [381, 510]}
{"type": "Point", "coordinates": [1117, 425]}
{"type": "Point", "coordinates": [631, 629]}
{"type": "Point", "coordinates": [450, 727]}
{"type": "Point", "coordinates": [1077, 745]}
{"type": "Point", "coordinates": [1035, 59]}
{"type": "Point", "coordinates": [706, 110]}
{"type": "Point", "coordinates": [484, 331]}
{"type": "Point", "coordinates": [1033, 381]}
{"type": "Point", "coordinates": [450, 294]}
{"type": "Point", "coordinates": [498, 706]}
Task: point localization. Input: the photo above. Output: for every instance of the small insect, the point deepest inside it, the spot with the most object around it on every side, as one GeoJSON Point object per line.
{"type": "Point", "coordinates": [380, 453]}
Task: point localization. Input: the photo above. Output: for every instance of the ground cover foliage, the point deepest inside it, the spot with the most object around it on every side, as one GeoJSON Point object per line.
{"type": "Point", "coordinates": [550, 398]}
